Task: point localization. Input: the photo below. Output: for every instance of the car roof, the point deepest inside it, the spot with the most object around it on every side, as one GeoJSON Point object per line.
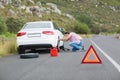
{"type": "Point", "coordinates": [40, 22]}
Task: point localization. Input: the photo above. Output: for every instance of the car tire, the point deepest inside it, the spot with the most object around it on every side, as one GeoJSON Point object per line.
{"type": "Point", "coordinates": [29, 55]}
{"type": "Point", "coordinates": [20, 50]}
{"type": "Point", "coordinates": [58, 47]}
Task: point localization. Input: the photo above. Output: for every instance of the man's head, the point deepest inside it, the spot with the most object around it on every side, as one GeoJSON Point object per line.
{"type": "Point", "coordinates": [67, 32]}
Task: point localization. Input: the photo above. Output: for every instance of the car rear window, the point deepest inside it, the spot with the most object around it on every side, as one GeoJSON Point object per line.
{"type": "Point", "coordinates": [37, 25]}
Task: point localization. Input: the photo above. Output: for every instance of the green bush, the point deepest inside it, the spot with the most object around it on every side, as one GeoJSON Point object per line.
{"type": "Point", "coordinates": [3, 27]}
{"type": "Point", "coordinates": [81, 28]}
{"type": "Point", "coordinates": [9, 35]}
{"type": "Point", "coordinates": [96, 29]}
{"type": "Point", "coordinates": [85, 19]}
{"type": "Point", "coordinates": [112, 2]}
{"type": "Point", "coordinates": [14, 25]}
{"type": "Point", "coordinates": [118, 29]}
{"type": "Point", "coordinates": [89, 21]}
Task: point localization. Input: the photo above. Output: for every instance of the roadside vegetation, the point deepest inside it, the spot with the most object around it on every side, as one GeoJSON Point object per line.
{"type": "Point", "coordinates": [7, 44]}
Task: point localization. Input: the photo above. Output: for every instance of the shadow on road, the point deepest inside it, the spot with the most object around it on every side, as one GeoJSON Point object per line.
{"type": "Point", "coordinates": [40, 51]}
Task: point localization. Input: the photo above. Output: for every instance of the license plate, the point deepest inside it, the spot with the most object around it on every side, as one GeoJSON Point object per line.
{"type": "Point", "coordinates": [34, 35]}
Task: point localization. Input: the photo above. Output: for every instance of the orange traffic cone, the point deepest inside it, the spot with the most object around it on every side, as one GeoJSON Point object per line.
{"type": "Point", "coordinates": [53, 52]}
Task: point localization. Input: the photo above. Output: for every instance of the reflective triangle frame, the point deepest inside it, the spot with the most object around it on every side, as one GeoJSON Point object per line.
{"type": "Point", "coordinates": [92, 51]}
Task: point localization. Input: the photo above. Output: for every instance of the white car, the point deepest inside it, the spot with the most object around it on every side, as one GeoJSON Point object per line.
{"type": "Point", "coordinates": [39, 34]}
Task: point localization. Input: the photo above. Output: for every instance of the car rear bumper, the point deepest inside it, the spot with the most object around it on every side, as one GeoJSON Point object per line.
{"type": "Point", "coordinates": [38, 42]}
{"type": "Point", "coordinates": [34, 46]}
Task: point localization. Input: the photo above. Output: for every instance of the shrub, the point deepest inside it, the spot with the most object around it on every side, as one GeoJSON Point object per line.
{"type": "Point", "coordinates": [118, 29]}
{"type": "Point", "coordinates": [95, 29]}
{"type": "Point", "coordinates": [3, 27]}
{"type": "Point", "coordinates": [85, 19]}
{"type": "Point", "coordinates": [81, 28]}
{"type": "Point", "coordinates": [89, 21]}
{"type": "Point", "coordinates": [9, 35]}
{"type": "Point", "coordinates": [14, 25]}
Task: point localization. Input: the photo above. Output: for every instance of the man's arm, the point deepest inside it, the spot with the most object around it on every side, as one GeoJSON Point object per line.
{"type": "Point", "coordinates": [65, 38]}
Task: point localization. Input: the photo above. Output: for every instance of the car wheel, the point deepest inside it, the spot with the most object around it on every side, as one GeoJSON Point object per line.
{"type": "Point", "coordinates": [20, 50]}
{"type": "Point", "coordinates": [58, 47]}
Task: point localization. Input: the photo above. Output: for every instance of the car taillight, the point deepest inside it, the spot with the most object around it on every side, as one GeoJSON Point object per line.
{"type": "Point", "coordinates": [48, 32]}
{"type": "Point", "coordinates": [20, 34]}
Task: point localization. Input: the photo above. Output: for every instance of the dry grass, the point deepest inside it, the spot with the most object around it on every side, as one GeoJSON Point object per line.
{"type": "Point", "coordinates": [7, 47]}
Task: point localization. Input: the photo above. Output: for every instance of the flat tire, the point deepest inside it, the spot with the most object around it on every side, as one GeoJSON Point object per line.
{"type": "Point", "coordinates": [29, 55]}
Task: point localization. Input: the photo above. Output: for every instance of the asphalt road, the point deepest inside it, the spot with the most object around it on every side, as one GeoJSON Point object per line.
{"type": "Point", "coordinates": [67, 65]}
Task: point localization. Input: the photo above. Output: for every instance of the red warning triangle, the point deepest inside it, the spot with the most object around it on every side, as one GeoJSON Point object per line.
{"type": "Point", "coordinates": [91, 53]}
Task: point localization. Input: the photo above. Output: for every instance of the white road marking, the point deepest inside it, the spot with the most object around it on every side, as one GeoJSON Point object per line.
{"type": "Point", "coordinates": [117, 66]}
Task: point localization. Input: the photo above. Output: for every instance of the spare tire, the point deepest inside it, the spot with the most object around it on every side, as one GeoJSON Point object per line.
{"type": "Point", "coordinates": [29, 55]}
